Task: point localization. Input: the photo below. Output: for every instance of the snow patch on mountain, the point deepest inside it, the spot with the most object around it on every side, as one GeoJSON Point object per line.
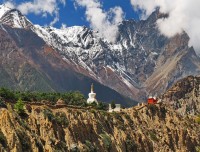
{"type": "Point", "coordinates": [3, 10]}
{"type": "Point", "coordinates": [15, 19]}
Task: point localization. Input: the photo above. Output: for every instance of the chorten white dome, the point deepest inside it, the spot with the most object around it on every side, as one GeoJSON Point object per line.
{"type": "Point", "coordinates": [92, 96]}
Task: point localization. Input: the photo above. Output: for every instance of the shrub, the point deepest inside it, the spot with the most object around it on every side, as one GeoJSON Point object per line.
{"type": "Point", "coordinates": [93, 111]}
{"type": "Point", "coordinates": [84, 104]}
{"type": "Point", "coordinates": [48, 114]}
{"type": "Point", "coordinates": [198, 119]}
{"type": "Point", "coordinates": [163, 112]}
{"type": "Point", "coordinates": [93, 104]}
{"type": "Point", "coordinates": [197, 148]}
{"type": "Point", "coordinates": [113, 106]}
{"type": "Point", "coordinates": [73, 98]}
{"type": "Point", "coordinates": [128, 118]}
{"type": "Point", "coordinates": [117, 116]}
{"type": "Point", "coordinates": [106, 141]}
{"type": "Point", "coordinates": [153, 108]}
{"type": "Point", "coordinates": [90, 147]}
{"type": "Point", "coordinates": [130, 145]}
{"type": "Point", "coordinates": [19, 107]}
{"type": "Point", "coordinates": [7, 94]}
{"type": "Point", "coordinates": [103, 113]}
{"type": "Point", "coordinates": [23, 124]}
{"type": "Point", "coordinates": [61, 119]}
{"type": "Point", "coordinates": [153, 136]}
{"type": "Point", "coordinates": [74, 148]}
{"type": "Point", "coordinates": [101, 106]}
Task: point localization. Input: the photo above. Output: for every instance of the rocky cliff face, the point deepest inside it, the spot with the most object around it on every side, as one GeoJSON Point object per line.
{"type": "Point", "coordinates": [44, 128]}
{"type": "Point", "coordinates": [184, 95]}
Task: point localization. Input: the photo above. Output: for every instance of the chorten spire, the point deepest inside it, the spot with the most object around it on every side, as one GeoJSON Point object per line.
{"type": "Point", "coordinates": [92, 88]}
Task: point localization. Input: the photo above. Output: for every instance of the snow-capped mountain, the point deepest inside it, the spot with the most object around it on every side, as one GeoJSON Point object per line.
{"type": "Point", "coordinates": [141, 61]}
{"type": "Point", "coordinates": [13, 18]}
{"type": "Point", "coordinates": [134, 63]}
{"type": "Point", "coordinates": [86, 48]}
{"type": "Point", "coordinates": [3, 10]}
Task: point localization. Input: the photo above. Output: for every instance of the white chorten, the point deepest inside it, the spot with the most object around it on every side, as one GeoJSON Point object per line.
{"type": "Point", "coordinates": [92, 96]}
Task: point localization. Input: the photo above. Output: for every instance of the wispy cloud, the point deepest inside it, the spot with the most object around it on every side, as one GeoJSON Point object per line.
{"type": "Point", "coordinates": [40, 7]}
{"type": "Point", "coordinates": [9, 4]}
{"type": "Point", "coordinates": [184, 15]}
{"type": "Point", "coordinates": [104, 22]}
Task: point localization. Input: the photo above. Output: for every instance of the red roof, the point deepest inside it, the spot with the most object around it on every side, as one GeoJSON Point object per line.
{"type": "Point", "coordinates": [152, 101]}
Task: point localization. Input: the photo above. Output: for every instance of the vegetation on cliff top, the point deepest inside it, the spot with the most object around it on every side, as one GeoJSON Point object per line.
{"type": "Point", "coordinates": [70, 98]}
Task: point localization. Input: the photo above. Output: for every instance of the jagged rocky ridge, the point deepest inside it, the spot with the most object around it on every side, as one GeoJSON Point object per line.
{"type": "Point", "coordinates": [29, 64]}
{"type": "Point", "coordinates": [141, 62]}
{"type": "Point", "coordinates": [49, 128]}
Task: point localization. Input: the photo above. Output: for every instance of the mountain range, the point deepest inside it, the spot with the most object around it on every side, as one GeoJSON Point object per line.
{"type": "Point", "coordinates": [141, 62]}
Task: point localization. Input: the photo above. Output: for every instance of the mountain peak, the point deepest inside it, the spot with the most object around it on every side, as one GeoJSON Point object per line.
{"type": "Point", "coordinates": [3, 9]}
{"type": "Point", "coordinates": [15, 19]}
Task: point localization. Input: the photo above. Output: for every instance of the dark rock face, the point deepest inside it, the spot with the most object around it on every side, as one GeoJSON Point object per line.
{"type": "Point", "coordinates": [184, 95]}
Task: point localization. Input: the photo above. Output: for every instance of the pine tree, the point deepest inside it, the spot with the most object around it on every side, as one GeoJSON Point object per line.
{"type": "Point", "coordinates": [113, 106]}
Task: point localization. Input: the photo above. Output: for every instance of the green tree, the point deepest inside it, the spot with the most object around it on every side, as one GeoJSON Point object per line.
{"type": "Point", "coordinates": [7, 94]}
{"type": "Point", "coordinates": [102, 106]}
{"type": "Point", "coordinates": [113, 106]}
{"type": "Point", "coordinates": [19, 106]}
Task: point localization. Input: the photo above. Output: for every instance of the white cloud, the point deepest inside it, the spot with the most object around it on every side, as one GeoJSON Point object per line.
{"type": "Point", "coordinates": [9, 4]}
{"type": "Point", "coordinates": [41, 7]}
{"type": "Point", "coordinates": [56, 18]}
{"type": "Point", "coordinates": [104, 22]}
{"type": "Point", "coordinates": [184, 15]}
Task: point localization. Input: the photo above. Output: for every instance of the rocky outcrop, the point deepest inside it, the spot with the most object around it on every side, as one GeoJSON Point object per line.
{"type": "Point", "coordinates": [44, 128]}
{"type": "Point", "coordinates": [184, 95]}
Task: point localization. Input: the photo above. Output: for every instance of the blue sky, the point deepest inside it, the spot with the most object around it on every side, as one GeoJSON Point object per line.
{"type": "Point", "coordinates": [70, 15]}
